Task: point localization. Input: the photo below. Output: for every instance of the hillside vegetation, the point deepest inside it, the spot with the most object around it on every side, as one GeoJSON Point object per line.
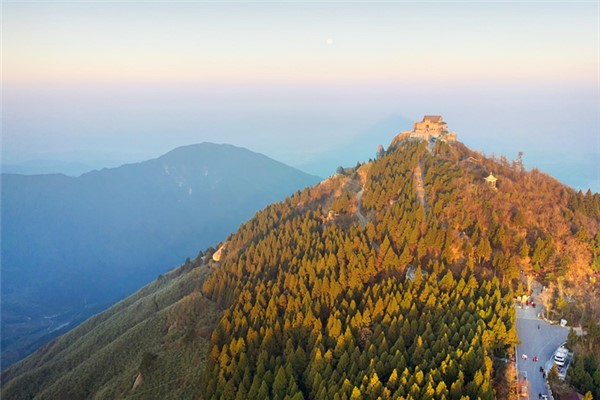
{"type": "Point", "coordinates": [159, 334]}
{"type": "Point", "coordinates": [360, 288]}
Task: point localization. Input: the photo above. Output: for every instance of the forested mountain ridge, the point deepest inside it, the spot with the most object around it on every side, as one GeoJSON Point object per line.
{"type": "Point", "coordinates": [354, 288]}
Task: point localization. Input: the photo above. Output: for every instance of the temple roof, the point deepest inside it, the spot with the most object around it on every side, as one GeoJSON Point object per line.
{"type": "Point", "coordinates": [433, 118]}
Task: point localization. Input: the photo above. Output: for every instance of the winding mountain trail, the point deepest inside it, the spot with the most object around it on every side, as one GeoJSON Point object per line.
{"type": "Point", "coordinates": [361, 218]}
{"type": "Point", "coordinates": [418, 176]}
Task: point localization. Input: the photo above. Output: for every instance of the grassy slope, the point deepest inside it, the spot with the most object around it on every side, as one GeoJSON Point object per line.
{"type": "Point", "coordinates": [167, 324]}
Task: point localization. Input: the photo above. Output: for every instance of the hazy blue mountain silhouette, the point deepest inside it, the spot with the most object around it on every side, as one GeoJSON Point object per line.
{"type": "Point", "coordinates": [43, 166]}
{"type": "Point", "coordinates": [69, 243]}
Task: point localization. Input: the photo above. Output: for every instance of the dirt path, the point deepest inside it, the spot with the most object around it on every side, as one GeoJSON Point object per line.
{"type": "Point", "coordinates": [418, 176]}
{"type": "Point", "coordinates": [361, 218]}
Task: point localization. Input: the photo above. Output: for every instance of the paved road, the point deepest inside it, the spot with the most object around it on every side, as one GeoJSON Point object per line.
{"type": "Point", "coordinates": [540, 342]}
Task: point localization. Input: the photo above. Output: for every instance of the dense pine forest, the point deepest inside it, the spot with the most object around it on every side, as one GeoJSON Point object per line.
{"type": "Point", "coordinates": [393, 279]}
{"type": "Point", "coordinates": [317, 310]}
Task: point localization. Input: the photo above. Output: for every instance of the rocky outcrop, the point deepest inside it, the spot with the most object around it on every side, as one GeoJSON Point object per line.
{"type": "Point", "coordinates": [138, 381]}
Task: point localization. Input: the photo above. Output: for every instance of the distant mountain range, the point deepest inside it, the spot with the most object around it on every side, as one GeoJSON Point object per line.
{"type": "Point", "coordinates": [41, 166]}
{"type": "Point", "coordinates": [73, 245]}
{"type": "Point", "coordinates": [71, 163]}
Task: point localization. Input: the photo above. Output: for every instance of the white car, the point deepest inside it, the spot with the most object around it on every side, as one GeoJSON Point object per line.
{"type": "Point", "coordinates": [562, 351]}
{"type": "Point", "coordinates": [560, 357]}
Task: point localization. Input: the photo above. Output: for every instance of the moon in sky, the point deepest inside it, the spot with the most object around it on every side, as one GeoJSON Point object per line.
{"type": "Point", "coordinates": [329, 41]}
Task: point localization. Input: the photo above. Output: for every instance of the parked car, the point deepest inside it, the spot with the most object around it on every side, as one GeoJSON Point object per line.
{"type": "Point", "coordinates": [560, 358]}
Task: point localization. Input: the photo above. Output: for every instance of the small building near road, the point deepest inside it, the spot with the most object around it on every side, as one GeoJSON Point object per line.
{"type": "Point", "coordinates": [563, 322]}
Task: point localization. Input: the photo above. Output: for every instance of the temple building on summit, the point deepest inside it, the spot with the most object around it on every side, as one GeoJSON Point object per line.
{"type": "Point", "coordinates": [432, 127]}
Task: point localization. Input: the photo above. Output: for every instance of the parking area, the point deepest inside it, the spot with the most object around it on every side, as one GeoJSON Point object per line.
{"type": "Point", "coordinates": [538, 339]}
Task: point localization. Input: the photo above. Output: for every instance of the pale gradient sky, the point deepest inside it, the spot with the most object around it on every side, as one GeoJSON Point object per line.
{"type": "Point", "coordinates": [294, 80]}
